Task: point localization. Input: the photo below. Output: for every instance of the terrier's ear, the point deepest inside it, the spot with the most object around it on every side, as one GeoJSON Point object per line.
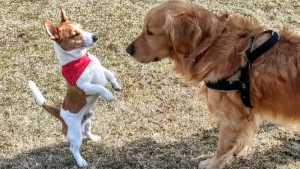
{"type": "Point", "coordinates": [51, 30]}
{"type": "Point", "coordinates": [63, 15]}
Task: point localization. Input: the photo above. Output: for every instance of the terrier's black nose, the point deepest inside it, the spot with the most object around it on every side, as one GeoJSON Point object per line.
{"type": "Point", "coordinates": [95, 38]}
{"type": "Point", "coordinates": [130, 49]}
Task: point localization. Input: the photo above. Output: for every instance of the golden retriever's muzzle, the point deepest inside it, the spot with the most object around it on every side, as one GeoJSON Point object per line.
{"type": "Point", "coordinates": [130, 49]}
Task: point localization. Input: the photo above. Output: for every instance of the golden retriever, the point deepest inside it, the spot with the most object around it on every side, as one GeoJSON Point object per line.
{"type": "Point", "coordinates": [181, 31]}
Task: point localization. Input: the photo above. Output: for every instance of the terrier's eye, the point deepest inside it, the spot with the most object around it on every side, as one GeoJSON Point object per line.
{"type": "Point", "coordinates": [74, 35]}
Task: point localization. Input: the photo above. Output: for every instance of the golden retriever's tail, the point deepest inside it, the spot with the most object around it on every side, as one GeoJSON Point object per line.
{"type": "Point", "coordinates": [52, 109]}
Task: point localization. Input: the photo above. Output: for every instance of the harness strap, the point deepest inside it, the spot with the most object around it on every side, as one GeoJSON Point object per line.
{"type": "Point", "coordinates": [265, 46]}
{"type": "Point", "coordinates": [244, 88]}
{"type": "Point", "coordinates": [242, 85]}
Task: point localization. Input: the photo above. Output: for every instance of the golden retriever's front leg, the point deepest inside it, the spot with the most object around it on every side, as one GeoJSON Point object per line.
{"type": "Point", "coordinates": [209, 164]}
{"type": "Point", "coordinates": [236, 131]}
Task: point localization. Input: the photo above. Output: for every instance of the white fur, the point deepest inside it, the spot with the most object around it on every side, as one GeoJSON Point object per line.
{"type": "Point", "coordinates": [75, 128]}
{"type": "Point", "coordinates": [87, 39]}
{"type": "Point", "coordinates": [68, 56]}
{"type": "Point", "coordinates": [36, 93]}
{"type": "Point", "coordinates": [92, 81]}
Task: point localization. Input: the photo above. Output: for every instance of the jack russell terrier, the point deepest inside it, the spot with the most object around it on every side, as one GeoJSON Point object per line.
{"type": "Point", "coordinates": [86, 79]}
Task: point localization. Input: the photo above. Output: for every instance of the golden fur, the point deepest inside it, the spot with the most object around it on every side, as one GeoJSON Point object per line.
{"type": "Point", "coordinates": [181, 31]}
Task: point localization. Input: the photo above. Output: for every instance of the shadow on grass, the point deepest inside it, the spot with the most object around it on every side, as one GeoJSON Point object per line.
{"type": "Point", "coordinates": [147, 153]}
{"type": "Point", "coordinates": [287, 153]}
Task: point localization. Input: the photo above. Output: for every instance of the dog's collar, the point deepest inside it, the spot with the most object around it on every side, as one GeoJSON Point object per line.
{"type": "Point", "coordinates": [73, 70]}
{"type": "Point", "coordinates": [200, 56]}
{"type": "Point", "coordinates": [242, 84]}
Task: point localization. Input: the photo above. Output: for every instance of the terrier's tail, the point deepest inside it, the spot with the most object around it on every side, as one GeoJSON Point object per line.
{"type": "Point", "coordinates": [52, 109]}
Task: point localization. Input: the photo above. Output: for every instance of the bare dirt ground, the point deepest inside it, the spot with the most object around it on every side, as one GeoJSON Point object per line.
{"type": "Point", "coordinates": [156, 121]}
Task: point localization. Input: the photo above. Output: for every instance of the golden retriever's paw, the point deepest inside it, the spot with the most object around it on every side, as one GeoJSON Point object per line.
{"type": "Point", "coordinates": [208, 164]}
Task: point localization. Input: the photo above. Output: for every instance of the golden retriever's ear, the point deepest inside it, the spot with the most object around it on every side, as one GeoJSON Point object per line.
{"type": "Point", "coordinates": [224, 17]}
{"type": "Point", "coordinates": [185, 34]}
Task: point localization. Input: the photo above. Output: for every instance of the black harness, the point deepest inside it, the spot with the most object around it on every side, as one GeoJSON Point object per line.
{"type": "Point", "coordinates": [242, 85]}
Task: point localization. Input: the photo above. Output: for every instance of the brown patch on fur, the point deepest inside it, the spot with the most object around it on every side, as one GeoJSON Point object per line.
{"type": "Point", "coordinates": [185, 30]}
{"type": "Point", "coordinates": [75, 99]}
{"type": "Point", "coordinates": [70, 38]}
{"type": "Point", "coordinates": [64, 128]}
{"type": "Point", "coordinates": [55, 111]}
{"type": "Point", "coordinates": [52, 109]}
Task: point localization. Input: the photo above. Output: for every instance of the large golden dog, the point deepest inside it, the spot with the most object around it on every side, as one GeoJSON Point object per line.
{"type": "Point", "coordinates": [181, 31]}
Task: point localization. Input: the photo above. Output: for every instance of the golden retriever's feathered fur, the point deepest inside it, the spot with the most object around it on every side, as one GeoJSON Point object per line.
{"type": "Point", "coordinates": [181, 31]}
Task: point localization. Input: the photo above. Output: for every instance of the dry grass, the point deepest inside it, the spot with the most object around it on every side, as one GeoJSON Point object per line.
{"type": "Point", "coordinates": [156, 121]}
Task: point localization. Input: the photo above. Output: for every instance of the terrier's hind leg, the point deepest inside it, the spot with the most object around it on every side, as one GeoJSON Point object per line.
{"type": "Point", "coordinates": [87, 125]}
{"type": "Point", "coordinates": [73, 131]}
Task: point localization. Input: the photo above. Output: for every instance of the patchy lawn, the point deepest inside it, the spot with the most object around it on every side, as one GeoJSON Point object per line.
{"type": "Point", "coordinates": [156, 120]}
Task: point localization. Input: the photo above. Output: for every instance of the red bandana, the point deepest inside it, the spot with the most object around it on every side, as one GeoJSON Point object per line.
{"type": "Point", "coordinates": [73, 70]}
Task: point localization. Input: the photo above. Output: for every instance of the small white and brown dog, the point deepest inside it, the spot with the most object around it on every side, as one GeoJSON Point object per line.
{"type": "Point", "coordinates": [86, 79]}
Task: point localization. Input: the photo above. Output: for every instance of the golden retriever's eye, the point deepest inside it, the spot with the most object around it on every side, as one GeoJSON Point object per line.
{"type": "Point", "coordinates": [149, 33]}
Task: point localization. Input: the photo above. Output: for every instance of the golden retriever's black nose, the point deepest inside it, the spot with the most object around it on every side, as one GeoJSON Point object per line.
{"type": "Point", "coordinates": [130, 49]}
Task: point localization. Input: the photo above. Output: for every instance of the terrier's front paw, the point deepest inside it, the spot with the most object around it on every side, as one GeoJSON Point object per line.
{"type": "Point", "coordinates": [116, 87]}
{"type": "Point", "coordinates": [108, 97]}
